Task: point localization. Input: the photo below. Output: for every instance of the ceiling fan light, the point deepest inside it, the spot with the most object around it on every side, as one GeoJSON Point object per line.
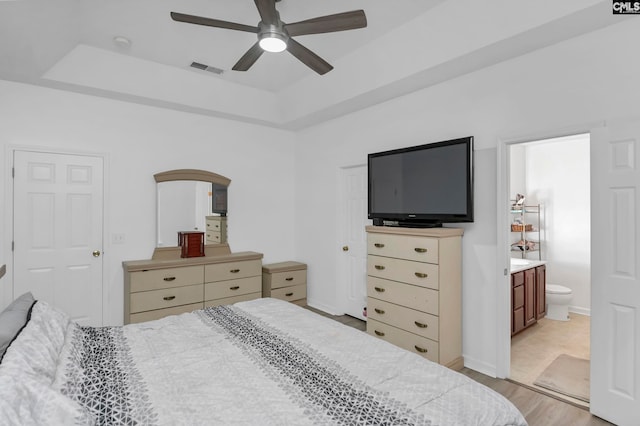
{"type": "Point", "coordinates": [273, 43]}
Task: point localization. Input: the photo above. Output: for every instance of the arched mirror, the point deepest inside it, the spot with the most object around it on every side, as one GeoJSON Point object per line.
{"type": "Point", "coordinates": [185, 199]}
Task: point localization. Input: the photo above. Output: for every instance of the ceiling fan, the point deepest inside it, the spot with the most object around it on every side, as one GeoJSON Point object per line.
{"type": "Point", "coordinates": [276, 36]}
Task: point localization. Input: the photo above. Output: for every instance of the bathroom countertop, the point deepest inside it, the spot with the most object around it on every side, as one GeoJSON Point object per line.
{"type": "Point", "coordinates": [531, 264]}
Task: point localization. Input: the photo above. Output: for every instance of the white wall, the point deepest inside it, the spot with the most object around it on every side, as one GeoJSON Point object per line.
{"type": "Point", "coordinates": [584, 80]}
{"type": "Point", "coordinates": [140, 141]}
{"type": "Point", "coordinates": [558, 177]}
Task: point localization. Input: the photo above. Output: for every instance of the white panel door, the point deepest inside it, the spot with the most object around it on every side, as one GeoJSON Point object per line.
{"type": "Point", "coordinates": [353, 275]}
{"type": "Point", "coordinates": [58, 219]}
{"type": "Point", "coordinates": [615, 298]}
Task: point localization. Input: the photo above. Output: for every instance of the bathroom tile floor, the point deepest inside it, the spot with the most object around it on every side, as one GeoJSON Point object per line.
{"type": "Point", "coordinates": [536, 347]}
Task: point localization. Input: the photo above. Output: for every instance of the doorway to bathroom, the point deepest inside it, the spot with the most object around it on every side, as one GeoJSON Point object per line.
{"type": "Point", "coordinates": [549, 187]}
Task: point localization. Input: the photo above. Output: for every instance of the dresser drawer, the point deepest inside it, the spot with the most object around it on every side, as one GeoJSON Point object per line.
{"type": "Point", "coordinates": [216, 225]}
{"type": "Point", "coordinates": [411, 296]}
{"type": "Point", "coordinates": [154, 279]}
{"type": "Point", "coordinates": [285, 279]}
{"type": "Point", "coordinates": [295, 292]}
{"type": "Point", "coordinates": [232, 270]}
{"type": "Point", "coordinates": [222, 289]}
{"type": "Point", "coordinates": [420, 323]}
{"type": "Point", "coordinates": [165, 298]}
{"type": "Point", "coordinates": [232, 300]}
{"type": "Point", "coordinates": [416, 273]}
{"type": "Point", "coordinates": [161, 313]}
{"type": "Point", "coordinates": [419, 249]}
{"type": "Point", "coordinates": [214, 237]}
{"type": "Point", "coordinates": [409, 341]}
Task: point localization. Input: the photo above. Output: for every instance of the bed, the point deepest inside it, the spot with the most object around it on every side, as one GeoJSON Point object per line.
{"type": "Point", "coordinates": [262, 362]}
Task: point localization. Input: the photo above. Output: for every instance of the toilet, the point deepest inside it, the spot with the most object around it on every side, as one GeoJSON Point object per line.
{"type": "Point", "coordinates": [558, 298]}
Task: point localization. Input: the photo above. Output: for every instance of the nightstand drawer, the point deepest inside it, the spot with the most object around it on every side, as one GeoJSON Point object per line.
{"type": "Point", "coordinates": [232, 270]}
{"type": "Point", "coordinates": [222, 289]}
{"type": "Point", "coordinates": [419, 249]}
{"type": "Point", "coordinates": [409, 341]}
{"type": "Point", "coordinates": [155, 279]}
{"type": "Point", "coordinates": [423, 324]}
{"type": "Point", "coordinates": [287, 278]}
{"type": "Point", "coordinates": [416, 273]}
{"type": "Point", "coordinates": [166, 298]}
{"type": "Point", "coordinates": [411, 296]}
{"type": "Point", "coordinates": [289, 294]}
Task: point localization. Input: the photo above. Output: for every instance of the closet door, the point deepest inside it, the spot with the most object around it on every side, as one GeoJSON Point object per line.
{"type": "Point", "coordinates": [58, 221]}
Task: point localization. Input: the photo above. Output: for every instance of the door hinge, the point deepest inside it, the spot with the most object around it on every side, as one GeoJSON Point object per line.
{"type": "Point", "coordinates": [13, 172]}
{"type": "Point", "coordinates": [12, 245]}
{"type": "Point", "coordinates": [505, 272]}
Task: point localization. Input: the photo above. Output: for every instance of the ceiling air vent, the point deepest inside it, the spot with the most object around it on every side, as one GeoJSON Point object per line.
{"type": "Point", "coordinates": [204, 67]}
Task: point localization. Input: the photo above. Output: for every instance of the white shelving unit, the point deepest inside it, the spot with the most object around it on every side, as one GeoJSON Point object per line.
{"type": "Point", "coordinates": [526, 230]}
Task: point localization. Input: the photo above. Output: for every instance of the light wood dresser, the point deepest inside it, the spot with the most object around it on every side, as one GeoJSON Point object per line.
{"type": "Point", "coordinates": [216, 229]}
{"type": "Point", "coordinates": [286, 281]}
{"type": "Point", "coordinates": [169, 285]}
{"type": "Point", "coordinates": [414, 286]}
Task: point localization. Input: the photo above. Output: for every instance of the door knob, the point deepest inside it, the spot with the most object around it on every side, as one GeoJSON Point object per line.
{"type": "Point", "coordinates": [96, 253]}
{"type": "Point", "coordinates": [345, 248]}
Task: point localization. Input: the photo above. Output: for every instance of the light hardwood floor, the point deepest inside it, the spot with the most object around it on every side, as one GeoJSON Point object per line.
{"type": "Point", "coordinates": [538, 409]}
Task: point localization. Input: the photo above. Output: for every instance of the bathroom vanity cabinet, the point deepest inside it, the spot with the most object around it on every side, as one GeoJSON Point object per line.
{"type": "Point", "coordinates": [528, 300]}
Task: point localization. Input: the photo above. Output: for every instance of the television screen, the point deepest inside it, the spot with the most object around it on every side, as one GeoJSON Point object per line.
{"type": "Point", "coordinates": [426, 184]}
{"type": "Point", "coordinates": [219, 199]}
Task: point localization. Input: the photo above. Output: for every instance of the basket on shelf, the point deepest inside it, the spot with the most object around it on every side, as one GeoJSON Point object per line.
{"type": "Point", "coordinates": [517, 227]}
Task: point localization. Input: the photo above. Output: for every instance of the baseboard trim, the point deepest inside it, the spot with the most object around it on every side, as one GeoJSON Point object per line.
{"type": "Point", "coordinates": [324, 308]}
{"type": "Point", "coordinates": [579, 310]}
{"type": "Point", "coordinates": [480, 366]}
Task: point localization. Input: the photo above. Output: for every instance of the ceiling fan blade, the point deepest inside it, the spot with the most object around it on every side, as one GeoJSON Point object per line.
{"type": "Point", "coordinates": [209, 22]}
{"type": "Point", "coordinates": [309, 58]}
{"type": "Point", "coordinates": [249, 58]}
{"type": "Point", "coordinates": [328, 24]}
{"type": "Point", "coordinates": [267, 10]}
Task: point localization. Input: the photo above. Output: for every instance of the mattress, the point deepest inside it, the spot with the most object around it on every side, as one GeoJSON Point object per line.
{"type": "Point", "coordinates": [262, 362]}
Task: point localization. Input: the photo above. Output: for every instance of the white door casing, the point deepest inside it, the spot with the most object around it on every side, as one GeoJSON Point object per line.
{"type": "Point", "coordinates": [353, 258]}
{"type": "Point", "coordinates": [615, 288]}
{"type": "Point", "coordinates": [58, 231]}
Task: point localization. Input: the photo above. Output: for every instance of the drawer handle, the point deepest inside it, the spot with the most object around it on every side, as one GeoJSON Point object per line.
{"type": "Point", "coordinates": [169, 298]}
{"type": "Point", "coordinates": [235, 287]}
{"type": "Point", "coordinates": [289, 279]}
{"type": "Point", "coordinates": [289, 294]}
{"type": "Point", "coordinates": [379, 267]}
{"type": "Point", "coordinates": [379, 333]}
{"type": "Point", "coordinates": [234, 271]}
{"type": "Point", "coordinates": [420, 250]}
{"type": "Point", "coordinates": [419, 349]}
{"type": "Point", "coordinates": [421, 275]}
{"type": "Point", "coordinates": [379, 311]}
{"type": "Point", "coordinates": [169, 278]}
{"type": "Point", "coordinates": [379, 289]}
{"type": "Point", "coordinates": [421, 325]}
{"type": "Point", "coordinates": [379, 245]}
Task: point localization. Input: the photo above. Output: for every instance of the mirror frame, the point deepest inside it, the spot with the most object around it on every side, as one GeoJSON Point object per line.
{"type": "Point", "coordinates": [191, 174]}
{"type": "Point", "coordinates": [170, 253]}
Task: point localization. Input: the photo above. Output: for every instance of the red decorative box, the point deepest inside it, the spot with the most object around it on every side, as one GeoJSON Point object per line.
{"type": "Point", "coordinates": [192, 243]}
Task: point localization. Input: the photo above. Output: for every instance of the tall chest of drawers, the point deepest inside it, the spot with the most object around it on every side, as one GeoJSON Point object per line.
{"type": "Point", "coordinates": [414, 289]}
{"type": "Point", "coordinates": [157, 288]}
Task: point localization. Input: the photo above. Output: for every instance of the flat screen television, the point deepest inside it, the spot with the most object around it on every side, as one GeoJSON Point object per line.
{"type": "Point", "coordinates": [219, 199]}
{"type": "Point", "coordinates": [422, 186]}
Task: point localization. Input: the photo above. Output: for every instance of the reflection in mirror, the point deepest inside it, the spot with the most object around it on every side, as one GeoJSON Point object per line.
{"type": "Point", "coordinates": [182, 206]}
{"type": "Point", "coordinates": [185, 197]}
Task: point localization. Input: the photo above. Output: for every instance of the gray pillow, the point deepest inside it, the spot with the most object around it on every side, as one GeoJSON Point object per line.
{"type": "Point", "coordinates": [13, 319]}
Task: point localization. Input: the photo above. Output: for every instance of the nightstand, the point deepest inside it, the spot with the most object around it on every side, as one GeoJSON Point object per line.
{"type": "Point", "coordinates": [285, 281]}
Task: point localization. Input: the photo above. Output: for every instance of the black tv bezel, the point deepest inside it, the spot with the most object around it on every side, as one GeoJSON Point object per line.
{"type": "Point", "coordinates": [424, 219]}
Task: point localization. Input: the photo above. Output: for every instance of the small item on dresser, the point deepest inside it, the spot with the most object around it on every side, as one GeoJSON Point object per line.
{"type": "Point", "coordinates": [192, 243]}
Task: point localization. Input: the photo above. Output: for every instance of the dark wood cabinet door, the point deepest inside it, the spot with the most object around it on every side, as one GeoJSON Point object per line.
{"type": "Point", "coordinates": [529, 297]}
{"type": "Point", "coordinates": [517, 302]}
{"type": "Point", "coordinates": [541, 300]}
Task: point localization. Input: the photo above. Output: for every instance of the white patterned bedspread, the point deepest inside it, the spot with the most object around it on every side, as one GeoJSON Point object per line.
{"type": "Point", "coordinates": [263, 362]}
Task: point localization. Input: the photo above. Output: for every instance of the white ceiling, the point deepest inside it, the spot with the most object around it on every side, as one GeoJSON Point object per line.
{"type": "Point", "coordinates": [408, 44]}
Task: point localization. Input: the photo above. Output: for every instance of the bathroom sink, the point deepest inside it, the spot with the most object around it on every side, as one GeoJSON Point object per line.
{"type": "Point", "coordinates": [519, 262]}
